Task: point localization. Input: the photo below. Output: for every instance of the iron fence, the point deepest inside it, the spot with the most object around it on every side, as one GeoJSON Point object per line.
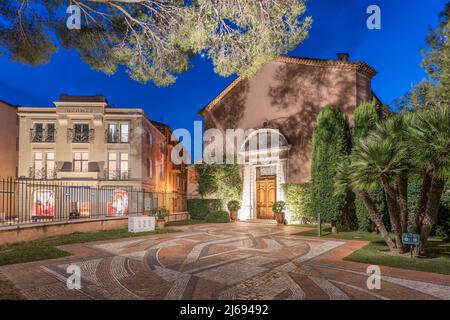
{"type": "Point", "coordinates": [32, 201]}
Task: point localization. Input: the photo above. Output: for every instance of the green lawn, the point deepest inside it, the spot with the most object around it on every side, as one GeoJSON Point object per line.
{"type": "Point", "coordinates": [47, 248]}
{"type": "Point", "coordinates": [185, 222]}
{"type": "Point", "coordinates": [304, 225]}
{"type": "Point", "coordinates": [376, 252]}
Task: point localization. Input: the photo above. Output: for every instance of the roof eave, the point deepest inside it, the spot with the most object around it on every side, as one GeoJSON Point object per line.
{"type": "Point", "coordinates": [358, 66]}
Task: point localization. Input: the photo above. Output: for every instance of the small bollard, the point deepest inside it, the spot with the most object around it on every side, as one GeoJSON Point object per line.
{"type": "Point", "coordinates": [319, 225]}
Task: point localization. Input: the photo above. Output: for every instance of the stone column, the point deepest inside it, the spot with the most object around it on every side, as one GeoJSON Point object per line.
{"type": "Point", "coordinates": [281, 179]}
{"type": "Point", "coordinates": [245, 211]}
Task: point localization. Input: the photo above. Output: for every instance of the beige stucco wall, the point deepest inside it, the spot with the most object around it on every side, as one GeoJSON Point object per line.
{"type": "Point", "coordinates": [30, 233]}
{"type": "Point", "coordinates": [64, 149]}
{"type": "Point", "coordinates": [98, 115]}
{"type": "Point", "coordinates": [9, 131]}
{"type": "Point", "coordinates": [289, 96]}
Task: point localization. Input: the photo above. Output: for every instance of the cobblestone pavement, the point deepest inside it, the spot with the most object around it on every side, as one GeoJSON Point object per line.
{"type": "Point", "coordinates": [226, 261]}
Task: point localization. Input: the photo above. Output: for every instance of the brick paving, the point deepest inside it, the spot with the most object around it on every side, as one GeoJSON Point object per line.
{"type": "Point", "coordinates": [220, 261]}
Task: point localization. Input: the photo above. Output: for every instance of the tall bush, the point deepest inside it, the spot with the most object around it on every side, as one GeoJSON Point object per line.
{"type": "Point", "coordinates": [331, 144]}
{"type": "Point", "coordinates": [366, 117]}
{"type": "Point", "coordinates": [298, 200]}
{"type": "Point", "coordinates": [200, 208]}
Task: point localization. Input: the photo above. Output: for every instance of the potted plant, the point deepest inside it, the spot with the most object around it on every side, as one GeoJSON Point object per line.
{"type": "Point", "coordinates": [160, 215]}
{"type": "Point", "coordinates": [233, 207]}
{"type": "Point", "coordinates": [278, 208]}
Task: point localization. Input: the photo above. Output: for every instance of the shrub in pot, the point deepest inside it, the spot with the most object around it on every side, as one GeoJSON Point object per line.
{"type": "Point", "coordinates": [233, 207]}
{"type": "Point", "coordinates": [160, 215]}
{"type": "Point", "coordinates": [278, 208]}
{"type": "Point", "coordinates": [218, 217]}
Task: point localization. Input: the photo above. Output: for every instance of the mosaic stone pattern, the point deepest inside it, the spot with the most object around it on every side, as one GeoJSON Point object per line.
{"type": "Point", "coordinates": [230, 261]}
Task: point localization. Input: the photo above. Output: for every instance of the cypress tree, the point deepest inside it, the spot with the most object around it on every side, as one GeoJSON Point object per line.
{"type": "Point", "coordinates": [331, 145]}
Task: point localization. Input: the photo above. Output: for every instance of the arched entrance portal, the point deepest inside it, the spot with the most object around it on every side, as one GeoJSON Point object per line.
{"type": "Point", "coordinates": [265, 153]}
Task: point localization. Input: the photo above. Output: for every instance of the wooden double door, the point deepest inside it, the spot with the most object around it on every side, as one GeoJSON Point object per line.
{"type": "Point", "coordinates": [266, 191]}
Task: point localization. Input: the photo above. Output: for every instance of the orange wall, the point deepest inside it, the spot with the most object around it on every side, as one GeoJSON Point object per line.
{"type": "Point", "coordinates": [289, 97]}
{"type": "Point", "coordinates": [9, 131]}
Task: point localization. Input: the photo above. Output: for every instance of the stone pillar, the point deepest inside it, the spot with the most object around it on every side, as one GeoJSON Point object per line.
{"type": "Point", "coordinates": [245, 211]}
{"type": "Point", "coordinates": [281, 179]}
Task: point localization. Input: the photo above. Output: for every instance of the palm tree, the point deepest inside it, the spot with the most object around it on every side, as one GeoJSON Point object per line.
{"type": "Point", "coordinates": [344, 183]}
{"type": "Point", "coordinates": [382, 159]}
{"type": "Point", "coordinates": [398, 147]}
{"type": "Point", "coordinates": [429, 142]}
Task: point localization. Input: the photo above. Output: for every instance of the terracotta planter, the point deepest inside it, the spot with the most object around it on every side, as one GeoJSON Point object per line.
{"type": "Point", "coordinates": [280, 218]}
{"type": "Point", "coordinates": [160, 223]}
{"type": "Point", "coordinates": [233, 216]}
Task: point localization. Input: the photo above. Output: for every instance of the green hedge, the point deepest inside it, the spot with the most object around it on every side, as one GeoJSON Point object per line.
{"type": "Point", "coordinates": [366, 118]}
{"type": "Point", "coordinates": [331, 146]}
{"type": "Point", "coordinates": [298, 200]}
{"type": "Point", "coordinates": [199, 208]}
{"type": "Point", "coordinates": [218, 217]}
{"type": "Point", "coordinates": [442, 227]}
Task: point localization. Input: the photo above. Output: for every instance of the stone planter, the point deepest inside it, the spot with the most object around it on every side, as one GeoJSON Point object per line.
{"type": "Point", "coordinates": [160, 223]}
{"type": "Point", "coordinates": [233, 216]}
{"type": "Point", "coordinates": [280, 218]}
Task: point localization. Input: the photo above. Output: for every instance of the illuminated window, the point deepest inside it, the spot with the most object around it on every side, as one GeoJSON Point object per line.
{"type": "Point", "coordinates": [38, 165]}
{"type": "Point", "coordinates": [124, 165]}
{"type": "Point", "coordinates": [118, 167]}
{"type": "Point", "coordinates": [149, 138]}
{"type": "Point", "coordinates": [118, 133]}
{"type": "Point", "coordinates": [149, 168]}
{"type": "Point", "coordinates": [50, 164]}
{"type": "Point", "coordinates": [80, 161]}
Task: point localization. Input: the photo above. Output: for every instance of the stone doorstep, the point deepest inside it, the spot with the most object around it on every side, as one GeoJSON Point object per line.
{"type": "Point", "coordinates": [259, 221]}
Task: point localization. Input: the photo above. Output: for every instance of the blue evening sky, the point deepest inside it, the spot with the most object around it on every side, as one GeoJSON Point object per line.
{"type": "Point", "coordinates": [339, 26]}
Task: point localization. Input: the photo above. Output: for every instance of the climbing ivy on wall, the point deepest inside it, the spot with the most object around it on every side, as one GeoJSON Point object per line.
{"type": "Point", "coordinates": [222, 180]}
{"type": "Point", "coordinates": [298, 200]}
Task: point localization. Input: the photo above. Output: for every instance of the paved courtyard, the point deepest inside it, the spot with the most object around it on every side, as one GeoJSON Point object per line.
{"type": "Point", "coordinates": [226, 261]}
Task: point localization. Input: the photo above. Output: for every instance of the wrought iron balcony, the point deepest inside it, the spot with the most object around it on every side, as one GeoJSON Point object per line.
{"type": "Point", "coordinates": [42, 135]}
{"type": "Point", "coordinates": [42, 174]}
{"type": "Point", "coordinates": [118, 174]}
{"type": "Point", "coordinates": [80, 137]}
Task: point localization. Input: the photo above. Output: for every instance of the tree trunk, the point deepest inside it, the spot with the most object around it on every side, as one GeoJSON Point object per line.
{"type": "Point", "coordinates": [431, 211]}
{"type": "Point", "coordinates": [402, 187]}
{"type": "Point", "coordinates": [421, 207]}
{"type": "Point", "coordinates": [422, 201]}
{"type": "Point", "coordinates": [376, 218]}
{"type": "Point", "coordinates": [394, 215]}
